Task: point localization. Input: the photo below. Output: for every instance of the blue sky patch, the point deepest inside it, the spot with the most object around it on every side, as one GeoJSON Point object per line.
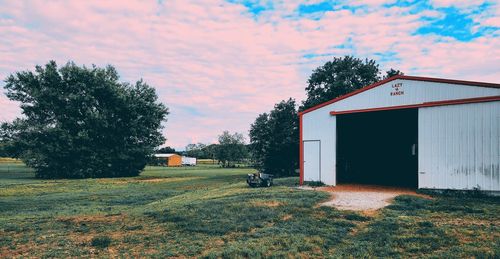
{"type": "Point", "coordinates": [453, 24]}
{"type": "Point", "coordinates": [316, 55]}
{"type": "Point", "coordinates": [314, 8]}
{"type": "Point", "coordinates": [389, 56]}
{"type": "Point", "coordinates": [192, 111]}
{"type": "Point", "coordinates": [316, 11]}
{"type": "Point", "coordinates": [255, 7]}
{"type": "Point", "coordinates": [415, 6]}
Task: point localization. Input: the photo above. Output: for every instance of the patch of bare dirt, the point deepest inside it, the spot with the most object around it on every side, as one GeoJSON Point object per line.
{"type": "Point", "coordinates": [124, 228]}
{"type": "Point", "coordinates": [270, 204]}
{"type": "Point", "coordinates": [92, 218]}
{"type": "Point", "coordinates": [146, 180]}
{"type": "Point", "coordinates": [466, 222]}
{"type": "Point", "coordinates": [370, 188]}
{"type": "Point", "coordinates": [21, 250]}
{"type": "Point", "coordinates": [365, 198]}
{"type": "Point", "coordinates": [158, 180]}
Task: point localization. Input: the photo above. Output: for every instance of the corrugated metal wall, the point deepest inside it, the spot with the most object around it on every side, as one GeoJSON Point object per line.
{"type": "Point", "coordinates": [459, 146]}
{"type": "Point", "coordinates": [320, 125]}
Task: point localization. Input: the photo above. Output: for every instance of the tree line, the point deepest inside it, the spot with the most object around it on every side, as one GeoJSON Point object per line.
{"type": "Point", "coordinates": [81, 122]}
{"type": "Point", "coordinates": [230, 149]}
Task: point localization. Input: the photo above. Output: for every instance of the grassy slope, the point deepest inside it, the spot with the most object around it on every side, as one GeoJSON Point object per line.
{"type": "Point", "coordinates": [210, 212]}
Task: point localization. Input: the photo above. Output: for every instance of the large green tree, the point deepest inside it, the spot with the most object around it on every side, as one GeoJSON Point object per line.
{"type": "Point", "coordinates": [231, 148]}
{"type": "Point", "coordinates": [82, 122]}
{"type": "Point", "coordinates": [198, 150]}
{"type": "Point", "coordinates": [211, 151]}
{"type": "Point", "coordinates": [341, 76]}
{"type": "Point", "coordinates": [274, 140]}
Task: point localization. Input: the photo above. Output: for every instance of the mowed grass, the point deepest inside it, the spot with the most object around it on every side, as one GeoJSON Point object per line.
{"type": "Point", "coordinates": [209, 212]}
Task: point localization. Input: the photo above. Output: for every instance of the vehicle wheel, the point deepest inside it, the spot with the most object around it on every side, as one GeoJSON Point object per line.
{"type": "Point", "coordinates": [267, 183]}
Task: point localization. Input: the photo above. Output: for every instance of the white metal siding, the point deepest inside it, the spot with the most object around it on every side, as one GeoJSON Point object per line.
{"type": "Point", "coordinates": [188, 160]}
{"type": "Point", "coordinates": [459, 146]}
{"type": "Point", "coordinates": [312, 160]}
{"type": "Point", "coordinates": [320, 125]}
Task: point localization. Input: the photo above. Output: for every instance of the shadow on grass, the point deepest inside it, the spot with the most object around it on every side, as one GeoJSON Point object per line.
{"type": "Point", "coordinates": [415, 226]}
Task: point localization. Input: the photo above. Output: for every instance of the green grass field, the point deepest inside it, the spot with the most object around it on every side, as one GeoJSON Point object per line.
{"type": "Point", "coordinates": [210, 212]}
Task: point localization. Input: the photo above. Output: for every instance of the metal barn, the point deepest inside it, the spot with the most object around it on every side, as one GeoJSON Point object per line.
{"type": "Point", "coordinates": [418, 132]}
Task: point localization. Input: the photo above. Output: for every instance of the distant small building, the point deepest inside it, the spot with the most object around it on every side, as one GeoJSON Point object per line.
{"type": "Point", "coordinates": [169, 159]}
{"type": "Point", "coordinates": [188, 161]}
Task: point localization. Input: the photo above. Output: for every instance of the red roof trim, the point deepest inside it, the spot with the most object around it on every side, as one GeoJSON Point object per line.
{"type": "Point", "coordinates": [427, 104]}
{"type": "Point", "coordinates": [414, 78]}
{"type": "Point", "coordinates": [451, 81]}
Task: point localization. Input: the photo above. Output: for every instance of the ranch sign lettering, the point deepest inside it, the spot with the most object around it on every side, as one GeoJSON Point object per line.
{"type": "Point", "coordinates": [397, 89]}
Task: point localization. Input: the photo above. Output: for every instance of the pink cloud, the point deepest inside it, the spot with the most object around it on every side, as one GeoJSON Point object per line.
{"type": "Point", "coordinates": [213, 57]}
{"type": "Point", "coordinates": [10, 110]}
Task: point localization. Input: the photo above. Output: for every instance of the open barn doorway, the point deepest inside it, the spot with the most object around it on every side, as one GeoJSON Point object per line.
{"type": "Point", "coordinates": [378, 148]}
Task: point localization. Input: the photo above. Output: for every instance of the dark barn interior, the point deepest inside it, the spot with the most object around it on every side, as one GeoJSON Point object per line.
{"type": "Point", "coordinates": [378, 148]}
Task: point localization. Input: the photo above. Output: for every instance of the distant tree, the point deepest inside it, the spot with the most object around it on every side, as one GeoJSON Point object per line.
{"type": "Point", "coordinates": [338, 77]}
{"type": "Point", "coordinates": [7, 135]}
{"type": "Point", "coordinates": [82, 122]}
{"type": "Point", "coordinates": [274, 140]}
{"type": "Point", "coordinates": [231, 148]}
{"type": "Point", "coordinates": [197, 150]}
{"type": "Point", "coordinates": [341, 76]}
{"type": "Point", "coordinates": [392, 72]}
{"type": "Point", "coordinates": [211, 151]}
{"type": "Point", "coordinates": [3, 152]}
{"type": "Point", "coordinates": [190, 149]}
{"type": "Point", "coordinates": [260, 139]}
{"type": "Point", "coordinates": [166, 150]}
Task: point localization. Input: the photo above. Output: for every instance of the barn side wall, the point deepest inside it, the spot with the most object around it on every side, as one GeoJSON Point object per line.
{"type": "Point", "coordinates": [459, 147]}
{"type": "Point", "coordinates": [320, 125]}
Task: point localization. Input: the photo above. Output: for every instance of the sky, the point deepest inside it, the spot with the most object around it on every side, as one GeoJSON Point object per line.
{"type": "Point", "coordinates": [217, 64]}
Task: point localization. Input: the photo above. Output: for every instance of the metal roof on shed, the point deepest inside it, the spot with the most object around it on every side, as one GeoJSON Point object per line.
{"type": "Point", "coordinates": [165, 155]}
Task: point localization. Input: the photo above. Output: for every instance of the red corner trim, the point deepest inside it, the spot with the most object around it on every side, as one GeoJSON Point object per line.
{"type": "Point", "coordinates": [301, 152]}
{"type": "Point", "coordinates": [426, 104]}
{"type": "Point", "coordinates": [414, 78]}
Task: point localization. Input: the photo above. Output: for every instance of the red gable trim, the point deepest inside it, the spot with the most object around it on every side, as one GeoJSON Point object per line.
{"type": "Point", "coordinates": [414, 78]}
{"type": "Point", "coordinates": [427, 104]}
{"type": "Point", "coordinates": [451, 81]}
